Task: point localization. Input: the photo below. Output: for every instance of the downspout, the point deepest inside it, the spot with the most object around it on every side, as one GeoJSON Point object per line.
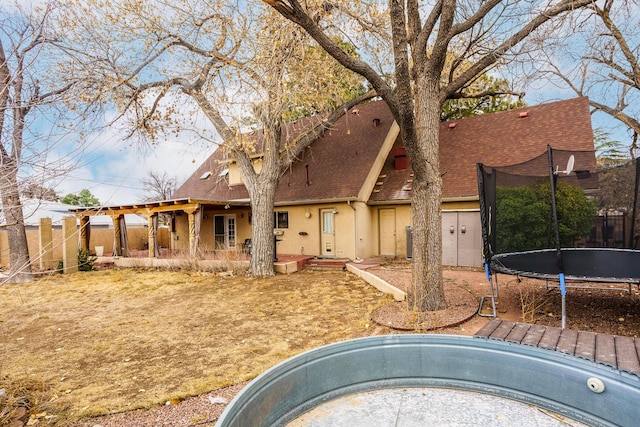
{"type": "Point", "coordinates": [355, 226]}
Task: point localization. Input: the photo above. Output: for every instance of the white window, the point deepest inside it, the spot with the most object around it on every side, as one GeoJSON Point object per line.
{"type": "Point", "coordinates": [327, 222]}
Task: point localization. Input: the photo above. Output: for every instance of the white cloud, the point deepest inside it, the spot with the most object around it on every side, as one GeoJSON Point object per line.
{"type": "Point", "coordinates": [115, 174]}
{"type": "Point", "coordinates": [113, 167]}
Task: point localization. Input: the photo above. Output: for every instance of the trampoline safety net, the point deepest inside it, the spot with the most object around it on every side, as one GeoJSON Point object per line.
{"type": "Point", "coordinates": [536, 219]}
{"type": "Point", "coordinates": [517, 204]}
{"type": "Point", "coordinates": [537, 210]}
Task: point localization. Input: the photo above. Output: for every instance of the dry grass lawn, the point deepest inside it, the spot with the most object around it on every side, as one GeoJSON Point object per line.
{"type": "Point", "coordinates": [114, 340]}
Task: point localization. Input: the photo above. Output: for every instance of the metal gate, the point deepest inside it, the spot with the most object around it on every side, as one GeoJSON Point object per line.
{"type": "Point", "coordinates": [608, 231]}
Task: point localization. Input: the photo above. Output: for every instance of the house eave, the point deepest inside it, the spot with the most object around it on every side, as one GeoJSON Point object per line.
{"type": "Point", "coordinates": [460, 199]}
{"type": "Point", "coordinates": [453, 199]}
{"type": "Point", "coordinates": [155, 206]}
{"type": "Point", "coordinates": [316, 201]}
{"type": "Point", "coordinates": [390, 202]}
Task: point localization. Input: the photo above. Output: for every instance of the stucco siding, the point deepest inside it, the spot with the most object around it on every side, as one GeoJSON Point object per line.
{"type": "Point", "coordinates": [138, 240]}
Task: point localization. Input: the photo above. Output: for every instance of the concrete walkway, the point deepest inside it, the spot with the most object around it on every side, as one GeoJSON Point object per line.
{"type": "Point", "coordinates": [360, 270]}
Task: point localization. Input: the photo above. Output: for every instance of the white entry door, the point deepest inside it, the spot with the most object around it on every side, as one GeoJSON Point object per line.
{"type": "Point", "coordinates": [224, 230]}
{"type": "Point", "coordinates": [328, 235]}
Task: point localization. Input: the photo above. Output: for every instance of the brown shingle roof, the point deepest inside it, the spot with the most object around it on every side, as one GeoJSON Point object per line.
{"type": "Point", "coordinates": [337, 163]}
{"type": "Point", "coordinates": [497, 139]}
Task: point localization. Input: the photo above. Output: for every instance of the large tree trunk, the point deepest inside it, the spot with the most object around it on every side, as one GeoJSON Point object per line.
{"type": "Point", "coordinates": [262, 247]}
{"type": "Point", "coordinates": [19, 262]}
{"type": "Point", "coordinates": [427, 288]}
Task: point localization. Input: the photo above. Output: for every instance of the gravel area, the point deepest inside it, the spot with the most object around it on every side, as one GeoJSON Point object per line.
{"type": "Point", "coordinates": [203, 410]}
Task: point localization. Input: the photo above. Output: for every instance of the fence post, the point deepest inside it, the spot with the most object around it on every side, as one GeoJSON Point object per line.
{"type": "Point", "coordinates": [45, 237]}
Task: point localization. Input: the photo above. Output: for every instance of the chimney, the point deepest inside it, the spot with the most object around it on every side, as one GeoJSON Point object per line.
{"type": "Point", "coordinates": [376, 122]}
{"type": "Point", "coordinates": [401, 159]}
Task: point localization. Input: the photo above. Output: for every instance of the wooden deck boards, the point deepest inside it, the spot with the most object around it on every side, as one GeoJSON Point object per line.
{"type": "Point", "coordinates": [621, 353]}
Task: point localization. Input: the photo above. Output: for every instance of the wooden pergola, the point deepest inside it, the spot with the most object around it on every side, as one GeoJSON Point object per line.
{"type": "Point", "coordinates": [150, 210]}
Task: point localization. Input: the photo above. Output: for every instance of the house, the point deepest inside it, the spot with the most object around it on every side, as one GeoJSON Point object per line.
{"type": "Point", "coordinates": [349, 194]}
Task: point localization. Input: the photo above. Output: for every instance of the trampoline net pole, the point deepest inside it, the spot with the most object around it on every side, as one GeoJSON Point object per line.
{"type": "Point", "coordinates": [554, 210]}
{"type": "Point", "coordinates": [633, 242]}
{"type": "Point", "coordinates": [563, 289]}
{"type": "Point", "coordinates": [486, 216]}
{"type": "Point", "coordinates": [563, 292]}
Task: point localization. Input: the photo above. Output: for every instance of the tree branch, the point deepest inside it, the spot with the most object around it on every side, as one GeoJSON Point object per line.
{"type": "Point", "coordinates": [5, 80]}
{"type": "Point", "coordinates": [459, 95]}
{"type": "Point", "coordinates": [427, 29]}
{"type": "Point", "coordinates": [400, 47]}
{"type": "Point", "coordinates": [307, 138]}
{"type": "Point", "coordinates": [631, 122]}
{"type": "Point", "coordinates": [441, 43]}
{"type": "Point", "coordinates": [622, 42]}
{"type": "Point", "coordinates": [475, 18]}
{"type": "Point", "coordinates": [293, 11]}
{"type": "Point", "coordinates": [489, 59]}
{"type": "Point", "coordinates": [414, 22]}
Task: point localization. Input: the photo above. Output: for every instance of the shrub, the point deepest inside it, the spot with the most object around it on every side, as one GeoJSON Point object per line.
{"type": "Point", "coordinates": [85, 260]}
{"type": "Point", "coordinates": [524, 218]}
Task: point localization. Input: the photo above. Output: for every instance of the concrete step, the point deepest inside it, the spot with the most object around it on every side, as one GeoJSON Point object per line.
{"type": "Point", "coordinates": [326, 264]}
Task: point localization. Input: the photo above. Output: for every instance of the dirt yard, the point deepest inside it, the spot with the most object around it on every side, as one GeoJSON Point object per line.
{"type": "Point", "coordinates": [112, 341]}
{"type": "Point", "coordinates": [598, 307]}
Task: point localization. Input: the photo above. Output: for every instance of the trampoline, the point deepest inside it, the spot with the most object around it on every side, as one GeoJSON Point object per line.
{"type": "Point", "coordinates": [515, 203]}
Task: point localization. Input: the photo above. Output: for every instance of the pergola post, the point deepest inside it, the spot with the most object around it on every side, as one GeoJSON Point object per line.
{"type": "Point", "coordinates": [193, 250]}
{"type": "Point", "coordinates": [85, 233]}
{"type": "Point", "coordinates": [69, 244]}
{"type": "Point", "coordinates": [117, 241]}
{"type": "Point", "coordinates": [194, 229]}
{"type": "Point", "coordinates": [152, 235]}
{"type": "Point", "coordinates": [46, 244]}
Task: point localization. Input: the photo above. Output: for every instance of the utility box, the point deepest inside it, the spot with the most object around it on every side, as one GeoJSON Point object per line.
{"type": "Point", "coordinates": [409, 241]}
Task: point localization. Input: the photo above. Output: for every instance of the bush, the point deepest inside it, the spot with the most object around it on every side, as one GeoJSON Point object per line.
{"type": "Point", "coordinates": [524, 219]}
{"type": "Point", "coordinates": [85, 260]}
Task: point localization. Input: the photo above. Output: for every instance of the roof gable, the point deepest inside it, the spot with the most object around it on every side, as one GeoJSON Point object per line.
{"type": "Point", "coordinates": [497, 139]}
{"type": "Point", "coordinates": [335, 166]}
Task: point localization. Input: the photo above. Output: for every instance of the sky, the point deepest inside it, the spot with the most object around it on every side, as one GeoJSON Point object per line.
{"type": "Point", "coordinates": [113, 168]}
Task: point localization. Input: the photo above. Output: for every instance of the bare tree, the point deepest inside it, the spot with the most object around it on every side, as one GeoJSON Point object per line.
{"type": "Point", "coordinates": [159, 186]}
{"type": "Point", "coordinates": [39, 192]}
{"type": "Point", "coordinates": [605, 65]}
{"type": "Point", "coordinates": [29, 91]}
{"type": "Point", "coordinates": [482, 34]}
{"type": "Point", "coordinates": [218, 60]}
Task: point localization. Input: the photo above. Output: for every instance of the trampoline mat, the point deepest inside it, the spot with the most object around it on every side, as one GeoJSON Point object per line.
{"type": "Point", "coordinates": [588, 264]}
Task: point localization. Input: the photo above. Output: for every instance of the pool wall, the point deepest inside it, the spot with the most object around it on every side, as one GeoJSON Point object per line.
{"type": "Point", "coordinates": [552, 380]}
